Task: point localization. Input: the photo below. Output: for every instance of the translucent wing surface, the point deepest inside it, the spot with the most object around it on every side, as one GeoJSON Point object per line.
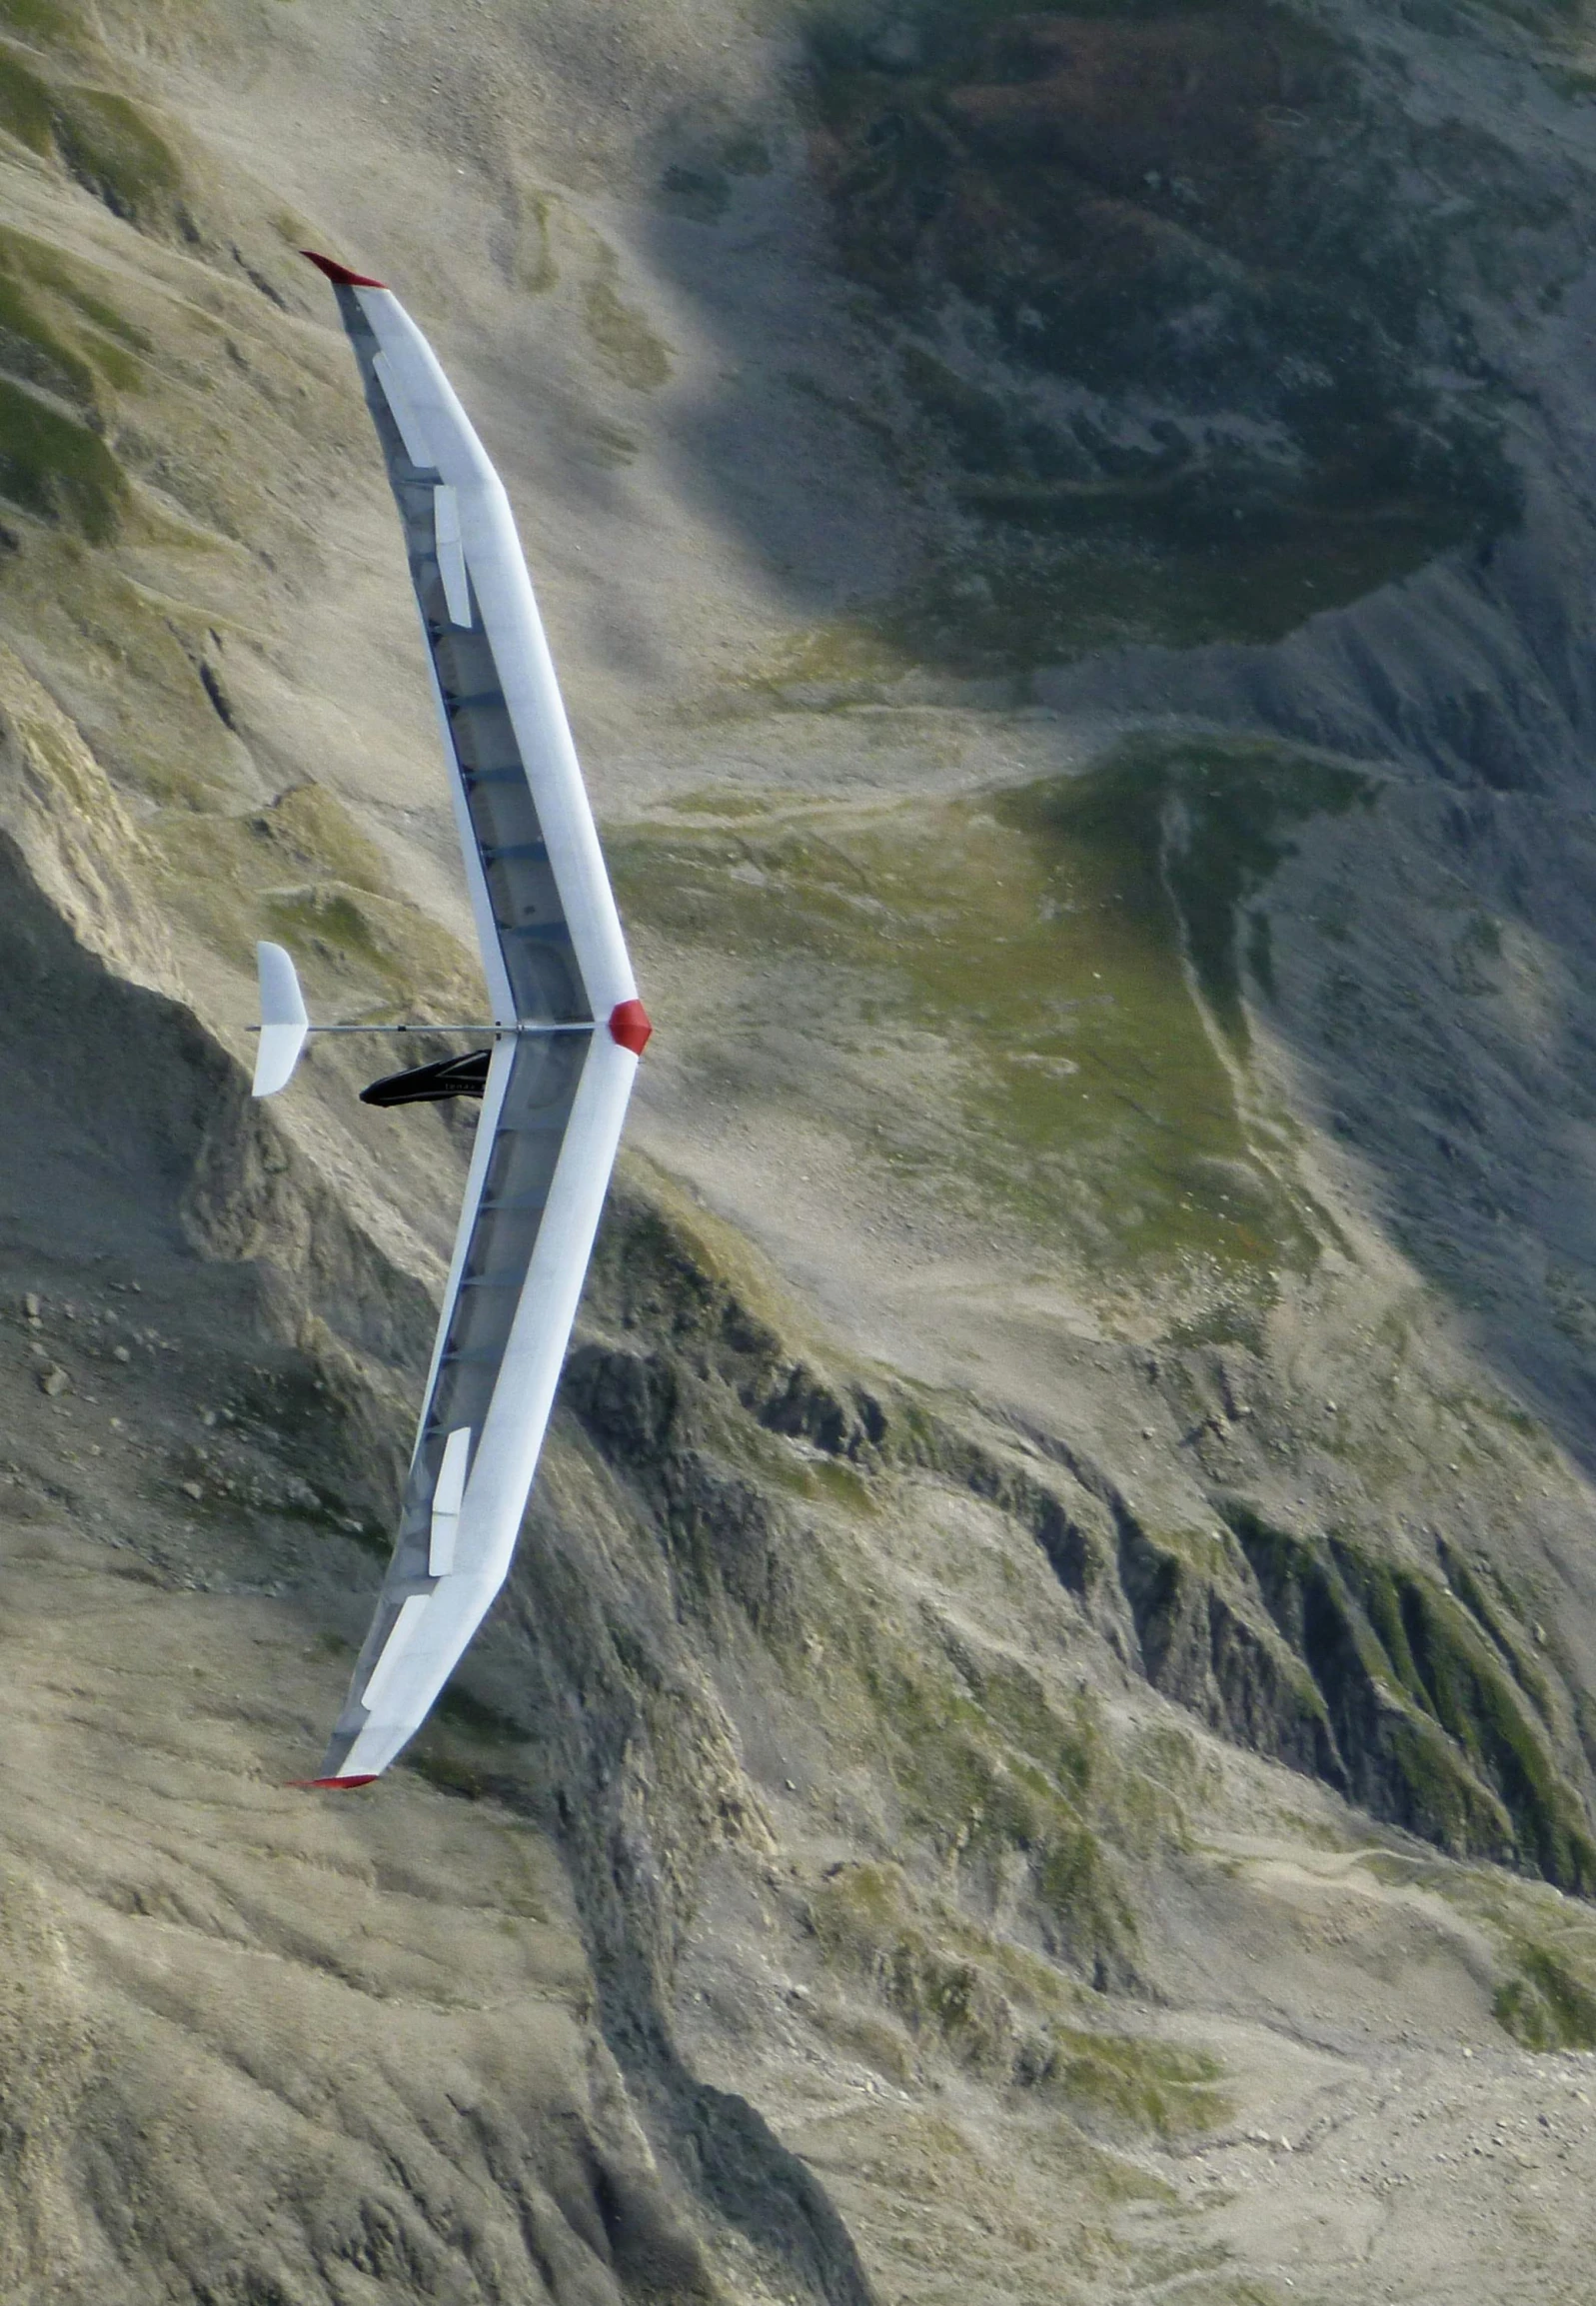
{"type": "Point", "coordinates": [555, 1100]}
{"type": "Point", "coordinates": [552, 943]}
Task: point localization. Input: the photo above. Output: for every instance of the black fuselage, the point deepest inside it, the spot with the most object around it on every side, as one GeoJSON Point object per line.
{"type": "Point", "coordinates": [429, 1083]}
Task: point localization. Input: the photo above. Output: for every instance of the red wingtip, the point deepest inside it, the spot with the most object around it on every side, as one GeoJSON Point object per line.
{"type": "Point", "coordinates": [345, 279]}
{"type": "Point", "coordinates": [629, 1024]}
{"type": "Point", "coordinates": [330, 1784]}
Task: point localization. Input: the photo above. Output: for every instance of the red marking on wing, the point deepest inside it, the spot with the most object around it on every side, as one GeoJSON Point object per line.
{"type": "Point", "coordinates": [629, 1024]}
{"type": "Point", "coordinates": [330, 1784]}
{"type": "Point", "coordinates": [346, 279]}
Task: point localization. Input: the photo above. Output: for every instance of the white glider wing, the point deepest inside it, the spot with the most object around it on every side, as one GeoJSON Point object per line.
{"type": "Point", "coordinates": [562, 1069]}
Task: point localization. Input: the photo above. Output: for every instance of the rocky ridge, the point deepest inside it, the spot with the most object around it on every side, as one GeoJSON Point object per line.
{"type": "Point", "coordinates": [1049, 1681]}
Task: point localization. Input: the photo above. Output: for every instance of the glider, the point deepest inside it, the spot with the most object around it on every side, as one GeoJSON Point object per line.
{"type": "Point", "coordinates": [566, 1031]}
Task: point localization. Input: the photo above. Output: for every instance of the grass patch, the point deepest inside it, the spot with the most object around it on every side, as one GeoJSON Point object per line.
{"type": "Point", "coordinates": [102, 138]}
{"type": "Point", "coordinates": [1004, 2015]}
{"type": "Point", "coordinates": [38, 268]}
{"type": "Point", "coordinates": [48, 23]}
{"type": "Point", "coordinates": [1050, 578]}
{"type": "Point", "coordinates": [26, 111]}
{"type": "Point", "coordinates": [1127, 2082]}
{"type": "Point", "coordinates": [1545, 1942]}
{"type": "Point", "coordinates": [34, 354]}
{"type": "Point", "coordinates": [393, 948]}
{"type": "Point", "coordinates": [989, 1770]}
{"type": "Point", "coordinates": [873, 2041]}
{"type": "Point", "coordinates": [936, 1969]}
{"type": "Point", "coordinates": [58, 469]}
{"type": "Point", "coordinates": [110, 145]}
{"type": "Point", "coordinates": [846, 660]}
{"type": "Point", "coordinates": [1054, 959]}
{"type": "Point", "coordinates": [308, 826]}
{"type": "Point", "coordinates": [1433, 1702]}
{"type": "Point", "coordinates": [1210, 821]}
{"type": "Point", "coordinates": [623, 342]}
{"type": "Point", "coordinates": [1546, 2005]}
{"type": "Point", "coordinates": [65, 355]}
{"type": "Point", "coordinates": [364, 945]}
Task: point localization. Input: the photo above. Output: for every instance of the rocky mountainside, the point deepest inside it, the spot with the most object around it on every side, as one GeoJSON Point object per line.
{"type": "Point", "coordinates": [1042, 1745]}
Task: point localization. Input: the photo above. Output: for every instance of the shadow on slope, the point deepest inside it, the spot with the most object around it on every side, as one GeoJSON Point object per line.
{"type": "Point", "coordinates": [1163, 320]}
{"type": "Point", "coordinates": [130, 1150]}
{"type": "Point", "coordinates": [1173, 331]}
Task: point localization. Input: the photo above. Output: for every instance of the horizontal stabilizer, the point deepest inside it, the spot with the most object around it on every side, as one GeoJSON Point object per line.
{"type": "Point", "coordinates": [284, 1022]}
